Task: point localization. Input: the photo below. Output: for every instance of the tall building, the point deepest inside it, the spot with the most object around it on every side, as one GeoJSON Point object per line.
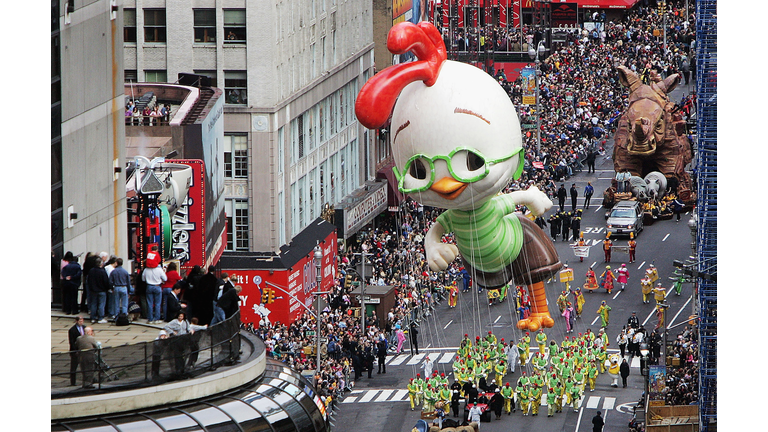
{"type": "Point", "coordinates": [88, 203]}
{"type": "Point", "coordinates": [290, 72]}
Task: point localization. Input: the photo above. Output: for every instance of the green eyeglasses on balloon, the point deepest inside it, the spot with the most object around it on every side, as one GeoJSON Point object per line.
{"type": "Point", "coordinates": [465, 164]}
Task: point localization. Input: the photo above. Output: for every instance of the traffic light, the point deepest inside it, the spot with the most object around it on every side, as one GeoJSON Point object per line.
{"type": "Point", "coordinates": [348, 281]}
{"type": "Point", "coordinates": [265, 296]}
{"type": "Point", "coordinates": [271, 296]}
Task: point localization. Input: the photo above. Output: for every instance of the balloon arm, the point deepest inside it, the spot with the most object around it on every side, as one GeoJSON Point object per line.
{"type": "Point", "coordinates": [536, 201]}
{"type": "Point", "coordinates": [439, 254]}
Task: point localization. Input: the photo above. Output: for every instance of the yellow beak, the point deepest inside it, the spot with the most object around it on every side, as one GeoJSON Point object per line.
{"type": "Point", "coordinates": [449, 188]}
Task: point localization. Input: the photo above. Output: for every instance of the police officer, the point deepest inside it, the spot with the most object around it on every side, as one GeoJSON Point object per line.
{"type": "Point", "coordinates": [566, 225]}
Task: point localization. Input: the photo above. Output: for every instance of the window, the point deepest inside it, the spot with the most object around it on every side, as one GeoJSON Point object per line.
{"type": "Point", "coordinates": [236, 87]}
{"type": "Point", "coordinates": [234, 25]}
{"type": "Point", "coordinates": [154, 25]}
{"type": "Point", "coordinates": [280, 150]}
{"type": "Point", "coordinates": [155, 76]}
{"type": "Point", "coordinates": [205, 25]}
{"type": "Point", "coordinates": [235, 156]}
{"type": "Point", "coordinates": [129, 25]}
{"type": "Point", "coordinates": [236, 211]}
{"type": "Point", "coordinates": [300, 121]}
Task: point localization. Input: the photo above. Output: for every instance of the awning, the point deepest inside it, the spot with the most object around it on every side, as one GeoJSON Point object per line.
{"type": "Point", "coordinates": [606, 4]}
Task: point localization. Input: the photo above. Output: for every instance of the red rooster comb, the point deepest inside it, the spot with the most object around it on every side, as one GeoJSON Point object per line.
{"type": "Point", "coordinates": [377, 97]}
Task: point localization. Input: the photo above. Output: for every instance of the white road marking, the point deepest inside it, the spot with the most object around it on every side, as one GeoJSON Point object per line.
{"type": "Point", "coordinates": [595, 320]}
{"type": "Point", "coordinates": [665, 237]}
{"type": "Point", "coordinates": [449, 323]}
{"type": "Point", "coordinates": [368, 396]}
{"type": "Point", "coordinates": [398, 360]}
{"type": "Point", "coordinates": [416, 359]}
{"type": "Point", "coordinates": [617, 294]}
{"type": "Point", "coordinates": [641, 265]}
{"type": "Point", "coordinates": [592, 402]}
{"type": "Point", "coordinates": [400, 395]}
{"type": "Point", "coordinates": [497, 319]}
{"type": "Point", "coordinates": [678, 312]}
{"type": "Point", "coordinates": [384, 395]}
{"type": "Point", "coordinates": [609, 403]}
{"type": "Point", "coordinates": [446, 358]}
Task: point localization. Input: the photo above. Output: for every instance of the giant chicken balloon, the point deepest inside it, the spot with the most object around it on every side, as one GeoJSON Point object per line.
{"type": "Point", "coordinates": [456, 142]}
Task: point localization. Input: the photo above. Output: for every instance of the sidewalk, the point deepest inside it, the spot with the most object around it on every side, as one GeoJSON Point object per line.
{"type": "Point", "coordinates": [108, 334]}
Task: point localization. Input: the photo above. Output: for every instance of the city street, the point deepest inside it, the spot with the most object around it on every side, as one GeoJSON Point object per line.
{"type": "Point", "coordinates": [381, 403]}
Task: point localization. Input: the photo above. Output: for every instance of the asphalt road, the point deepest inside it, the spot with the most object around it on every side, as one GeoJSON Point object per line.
{"type": "Point", "coordinates": [381, 402]}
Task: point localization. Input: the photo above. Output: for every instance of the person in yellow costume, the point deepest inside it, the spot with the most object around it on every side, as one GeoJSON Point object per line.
{"type": "Point", "coordinates": [659, 293]}
{"type": "Point", "coordinates": [535, 395]}
{"type": "Point", "coordinates": [521, 348]}
{"type": "Point", "coordinates": [453, 295]}
{"type": "Point", "coordinates": [508, 393]}
{"type": "Point", "coordinates": [414, 394]}
{"type": "Point", "coordinates": [523, 395]}
{"type": "Point", "coordinates": [653, 273]}
{"type": "Point", "coordinates": [579, 301]}
{"type": "Point", "coordinates": [541, 341]}
{"type": "Point", "coordinates": [501, 369]}
{"type": "Point", "coordinates": [646, 287]}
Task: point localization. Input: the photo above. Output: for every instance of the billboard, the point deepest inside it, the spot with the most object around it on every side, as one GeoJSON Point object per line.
{"type": "Point", "coordinates": [564, 14]}
{"type": "Point", "coordinates": [285, 294]}
{"type": "Point", "coordinates": [190, 234]}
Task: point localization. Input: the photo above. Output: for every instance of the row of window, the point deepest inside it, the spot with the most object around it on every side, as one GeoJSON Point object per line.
{"type": "Point", "coordinates": [324, 120]}
{"type": "Point", "coordinates": [204, 24]}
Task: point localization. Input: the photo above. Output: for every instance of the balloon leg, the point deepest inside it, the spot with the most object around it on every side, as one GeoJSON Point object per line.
{"type": "Point", "coordinates": [539, 316]}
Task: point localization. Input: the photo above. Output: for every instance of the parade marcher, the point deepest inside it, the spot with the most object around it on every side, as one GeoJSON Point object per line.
{"type": "Point", "coordinates": [453, 295]}
{"type": "Point", "coordinates": [623, 276]}
{"type": "Point", "coordinates": [535, 399]}
{"type": "Point", "coordinates": [578, 300]}
{"type": "Point", "coordinates": [646, 287]}
{"type": "Point", "coordinates": [414, 338]}
{"type": "Point", "coordinates": [413, 394]}
{"type": "Point", "coordinates": [512, 356]}
{"type": "Point", "coordinates": [562, 301]}
{"type": "Point", "coordinates": [659, 293]}
{"type": "Point", "coordinates": [592, 375]}
{"type": "Point", "coordinates": [622, 340]}
{"type": "Point", "coordinates": [653, 273]}
{"type": "Point", "coordinates": [607, 245]}
{"type": "Point", "coordinates": [455, 402]}
{"type": "Point", "coordinates": [591, 280]}
{"type": "Point", "coordinates": [659, 316]}
{"type": "Point", "coordinates": [603, 312]}
{"type": "Point", "coordinates": [632, 245]}
{"type": "Point", "coordinates": [551, 396]}
{"type": "Point", "coordinates": [523, 395]}
{"type": "Point", "coordinates": [508, 394]}
{"type": "Point", "coordinates": [607, 278]}
{"type": "Point", "coordinates": [570, 318]}
{"type": "Point", "coordinates": [541, 341]}
{"type": "Point", "coordinates": [581, 243]}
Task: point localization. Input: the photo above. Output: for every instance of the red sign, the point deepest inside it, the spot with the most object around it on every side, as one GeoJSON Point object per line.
{"type": "Point", "coordinates": [291, 289]}
{"type": "Point", "coordinates": [189, 221]}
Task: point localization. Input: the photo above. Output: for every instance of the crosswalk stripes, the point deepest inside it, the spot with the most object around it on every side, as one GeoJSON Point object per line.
{"type": "Point", "coordinates": [416, 359]}
{"type": "Point", "coordinates": [447, 358]}
{"type": "Point", "coordinates": [389, 395]}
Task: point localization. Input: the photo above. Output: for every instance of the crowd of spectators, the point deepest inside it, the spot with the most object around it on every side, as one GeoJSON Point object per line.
{"type": "Point", "coordinates": [682, 381]}
{"type": "Point", "coordinates": [580, 93]}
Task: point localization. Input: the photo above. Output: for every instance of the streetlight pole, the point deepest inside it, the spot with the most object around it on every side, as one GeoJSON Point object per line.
{"type": "Point", "coordinates": [362, 254]}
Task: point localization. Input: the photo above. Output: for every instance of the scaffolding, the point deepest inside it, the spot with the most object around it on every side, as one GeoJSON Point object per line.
{"type": "Point", "coordinates": [706, 207]}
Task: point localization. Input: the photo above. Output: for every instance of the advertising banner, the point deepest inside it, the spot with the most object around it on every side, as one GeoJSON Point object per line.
{"type": "Point", "coordinates": [564, 14]}
{"type": "Point", "coordinates": [657, 376]}
{"type": "Point", "coordinates": [188, 224]}
{"type": "Point", "coordinates": [285, 294]}
{"type": "Point", "coordinates": [528, 75]}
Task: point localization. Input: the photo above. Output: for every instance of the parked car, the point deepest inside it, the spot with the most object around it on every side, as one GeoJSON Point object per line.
{"type": "Point", "coordinates": [625, 217]}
